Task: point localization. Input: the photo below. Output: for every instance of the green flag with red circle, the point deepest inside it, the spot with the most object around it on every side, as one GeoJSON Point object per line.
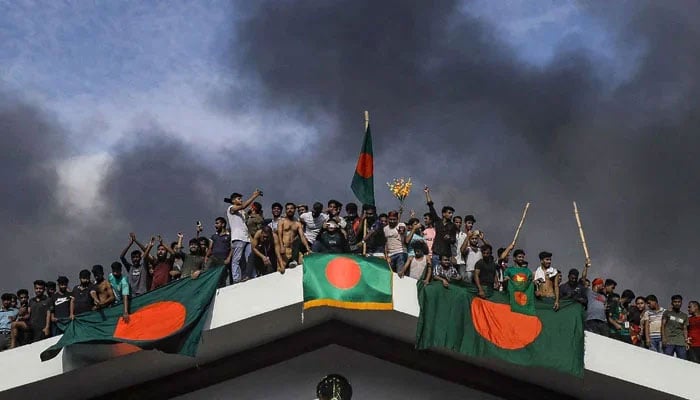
{"type": "Point", "coordinates": [347, 281]}
{"type": "Point", "coordinates": [169, 319]}
{"type": "Point", "coordinates": [363, 180]}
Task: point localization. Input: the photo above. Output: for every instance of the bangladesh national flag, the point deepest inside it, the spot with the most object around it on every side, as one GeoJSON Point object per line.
{"type": "Point", "coordinates": [347, 281]}
{"type": "Point", "coordinates": [521, 290]}
{"type": "Point", "coordinates": [169, 319]}
{"type": "Point", "coordinates": [457, 319]}
{"type": "Point", "coordinates": [363, 180]}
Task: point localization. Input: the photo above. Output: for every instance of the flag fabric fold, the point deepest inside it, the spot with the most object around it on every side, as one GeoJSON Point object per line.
{"type": "Point", "coordinates": [363, 180]}
{"type": "Point", "coordinates": [347, 281]}
{"type": "Point", "coordinates": [457, 319]}
{"type": "Point", "coordinates": [169, 319]}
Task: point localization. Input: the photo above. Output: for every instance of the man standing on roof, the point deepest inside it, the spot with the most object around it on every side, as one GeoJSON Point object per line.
{"type": "Point", "coordinates": [240, 238]}
{"type": "Point", "coordinates": [596, 320]}
{"type": "Point", "coordinates": [674, 329]}
{"type": "Point", "coordinates": [445, 230]}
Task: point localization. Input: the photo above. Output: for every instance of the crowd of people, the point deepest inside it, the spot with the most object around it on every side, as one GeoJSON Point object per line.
{"type": "Point", "coordinates": [437, 247]}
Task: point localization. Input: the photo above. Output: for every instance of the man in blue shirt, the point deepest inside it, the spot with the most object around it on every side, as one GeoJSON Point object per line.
{"type": "Point", "coordinates": [7, 315]}
{"type": "Point", "coordinates": [120, 286]}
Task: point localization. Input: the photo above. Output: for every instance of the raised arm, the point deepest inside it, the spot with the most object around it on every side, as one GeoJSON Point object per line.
{"type": "Point", "coordinates": [431, 206]}
{"type": "Point", "coordinates": [584, 275]}
{"type": "Point", "coordinates": [408, 237]}
{"type": "Point", "coordinates": [465, 245]}
{"type": "Point", "coordinates": [483, 238]}
{"type": "Point", "coordinates": [507, 251]}
{"type": "Point", "coordinates": [132, 238]}
{"type": "Point", "coordinates": [246, 204]}
{"type": "Point", "coordinates": [147, 251]}
{"type": "Point", "coordinates": [167, 246]}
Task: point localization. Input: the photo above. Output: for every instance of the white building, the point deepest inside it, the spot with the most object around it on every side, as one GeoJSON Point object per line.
{"type": "Point", "coordinates": [256, 346]}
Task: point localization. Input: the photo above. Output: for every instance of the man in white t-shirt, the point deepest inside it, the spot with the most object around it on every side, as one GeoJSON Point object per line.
{"type": "Point", "coordinates": [395, 248]}
{"type": "Point", "coordinates": [471, 253]}
{"type": "Point", "coordinates": [240, 238]}
{"type": "Point", "coordinates": [313, 222]}
{"type": "Point", "coordinates": [459, 261]}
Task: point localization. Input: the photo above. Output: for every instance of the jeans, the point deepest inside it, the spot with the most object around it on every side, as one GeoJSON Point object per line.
{"type": "Point", "coordinates": [435, 260]}
{"type": "Point", "coordinates": [241, 253]}
{"type": "Point", "coordinates": [655, 345]}
{"type": "Point", "coordinates": [397, 261]}
{"type": "Point", "coordinates": [680, 351]}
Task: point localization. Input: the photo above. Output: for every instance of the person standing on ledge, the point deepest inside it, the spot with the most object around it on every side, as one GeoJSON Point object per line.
{"type": "Point", "coordinates": [240, 238]}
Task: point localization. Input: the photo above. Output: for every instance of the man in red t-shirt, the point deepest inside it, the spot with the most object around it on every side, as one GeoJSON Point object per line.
{"type": "Point", "coordinates": [161, 265]}
{"type": "Point", "coordinates": [694, 332]}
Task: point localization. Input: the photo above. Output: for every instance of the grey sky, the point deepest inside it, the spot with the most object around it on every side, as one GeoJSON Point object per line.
{"type": "Point", "coordinates": [603, 115]}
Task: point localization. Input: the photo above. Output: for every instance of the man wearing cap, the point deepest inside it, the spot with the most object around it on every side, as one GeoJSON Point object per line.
{"type": "Point", "coordinates": [573, 288]}
{"type": "Point", "coordinates": [596, 320]}
{"type": "Point", "coordinates": [240, 237]}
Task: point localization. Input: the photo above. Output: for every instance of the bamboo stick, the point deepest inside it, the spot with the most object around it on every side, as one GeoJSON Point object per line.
{"type": "Point", "coordinates": [522, 220]}
{"type": "Point", "coordinates": [580, 232]}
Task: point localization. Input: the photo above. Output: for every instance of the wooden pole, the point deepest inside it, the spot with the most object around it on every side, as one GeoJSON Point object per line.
{"type": "Point", "coordinates": [580, 232]}
{"type": "Point", "coordinates": [517, 232]}
{"type": "Point", "coordinates": [364, 224]}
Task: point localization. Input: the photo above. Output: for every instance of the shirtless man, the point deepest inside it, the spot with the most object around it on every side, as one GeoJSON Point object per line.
{"type": "Point", "coordinates": [547, 280]}
{"type": "Point", "coordinates": [103, 295]}
{"type": "Point", "coordinates": [290, 232]}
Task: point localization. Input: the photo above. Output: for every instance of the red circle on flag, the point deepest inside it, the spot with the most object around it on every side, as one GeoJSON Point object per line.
{"type": "Point", "coordinates": [365, 166]}
{"type": "Point", "coordinates": [152, 322]}
{"type": "Point", "coordinates": [504, 328]}
{"type": "Point", "coordinates": [343, 273]}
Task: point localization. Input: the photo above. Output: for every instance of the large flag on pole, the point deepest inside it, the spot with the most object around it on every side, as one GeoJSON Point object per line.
{"type": "Point", "coordinates": [363, 181]}
{"type": "Point", "coordinates": [347, 281]}
{"type": "Point", "coordinates": [169, 319]}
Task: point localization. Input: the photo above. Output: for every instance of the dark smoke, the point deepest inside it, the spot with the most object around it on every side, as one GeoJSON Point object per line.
{"type": "Point", "coordinates": [451, 105]}
{"type": "Point", "coordinates": [455, 108]}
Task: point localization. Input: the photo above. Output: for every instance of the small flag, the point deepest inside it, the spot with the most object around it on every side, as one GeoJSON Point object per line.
{"type": "Point", "coordinates": [363, 180]}
{"type": "Point", "coordinates": [521, 290]}
{"type": "Point", "coordinates": [169, 319]}
{"type": "Point", "coordinates": [347, 281]}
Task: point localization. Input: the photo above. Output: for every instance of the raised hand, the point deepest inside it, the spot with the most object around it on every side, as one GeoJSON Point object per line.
{"type": "Point", "coordinates": [132, 237]}
{"type": "Point", "coordinates": [180, 235]}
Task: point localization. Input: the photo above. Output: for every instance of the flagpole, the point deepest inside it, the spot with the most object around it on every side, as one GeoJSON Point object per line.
{"type": "Point", "coordinates": [364, 225]}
